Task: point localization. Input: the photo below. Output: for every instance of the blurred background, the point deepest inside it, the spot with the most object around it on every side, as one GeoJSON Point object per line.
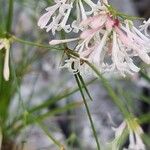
{"type": "Point", "coordinates": [39, 87]}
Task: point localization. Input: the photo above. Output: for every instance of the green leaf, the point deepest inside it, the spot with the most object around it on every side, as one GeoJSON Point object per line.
{"type": "Point", "coordinates": [87, 110]}
{"type": "Point", "coordinates": [84, 86]}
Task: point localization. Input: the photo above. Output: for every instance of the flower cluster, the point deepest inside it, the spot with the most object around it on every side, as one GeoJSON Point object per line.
{"type": "Point", "coordinates": [57, 16]}
{"type": "Point", "coordinates": [4, 44]}
{"type": "Point", "coordinates": [108, 39]}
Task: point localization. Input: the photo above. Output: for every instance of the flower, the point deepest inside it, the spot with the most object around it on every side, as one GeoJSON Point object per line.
{"type": "Point", "coordinates": [57, 16]}
{"type": "Point", "coordinates": [76, 65]}
{"type": "Point", "coordinates": [111, 43]}
{"type": "Point", "coordinates": [81, 14]}
{"type": "Point", "coordinates": [59, 20]}
{"type": "Point", "coordinates": [4, 44]}
{"type": "Point", "coordinates": [135, 132]}
{"type": "Point", "coordinates": [145, 27]}
{"type": "Point", "coordinates": [73, 65]}
{"type": "Point", "coordinates": [115, 144]}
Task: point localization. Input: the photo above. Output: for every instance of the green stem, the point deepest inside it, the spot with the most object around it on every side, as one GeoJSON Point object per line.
{"type": "Point", "coordinates": [10, 16]}
{"type": "Point", "coordinates": [88, 111]}
{"type": "Point", "coordinates": [112, 94]}
{"type": "Point", "coordinates": [32, 43]}
{"type": "Point", "coordinates": [45, 129]}
{"type": "Point", "coordinates": [145, 76]}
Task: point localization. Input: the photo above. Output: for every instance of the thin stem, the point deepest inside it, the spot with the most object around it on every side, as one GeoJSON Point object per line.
{"type": "Point", "coordinates": [147, 78]}
{"type": "Point", "coordinates": [112, 94]}
{"type": "Point", "coordinates": [32, 43]}
{"type": "Point", "coordinates": [10, 16]}
{"type": "Point", "coordinates": [45, 129]}
{"type": "Point", "coordinates": [88, 111]}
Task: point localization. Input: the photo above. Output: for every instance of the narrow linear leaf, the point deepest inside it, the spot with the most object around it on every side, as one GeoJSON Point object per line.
{"type": "Point", "coordinates": [84, 86]}
{"type": "Point", "coordinates": [88, 111]}
{"type": "Point", "coordinates": [46, 130]}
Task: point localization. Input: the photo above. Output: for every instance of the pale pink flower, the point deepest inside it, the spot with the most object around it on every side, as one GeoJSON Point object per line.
{"type": "Point", "coordinates": [111, 44]}
{"type": "Point", "coordinates": [106, 41]}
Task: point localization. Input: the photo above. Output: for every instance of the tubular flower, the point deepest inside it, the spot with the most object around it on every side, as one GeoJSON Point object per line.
{"type": "Point", "coordinates": [145, 27]}
{"type": "Point", "coordinates": [134, 132]}
{"type": "Point", "coordinates": [57, 16]}
{"type": "Point", "coordinates": [4, 44]}
{"type": "Point", "coordinates": [111, 43]}
{"type": "Point", "coordinates": [115, 144]}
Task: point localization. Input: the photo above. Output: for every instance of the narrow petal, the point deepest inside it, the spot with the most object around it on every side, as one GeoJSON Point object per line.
{"type": "Point", "coordinates": [97, 52]}
{"type": "Point", "coordinates": [55, 42]}
{"type": "Point", "coordinates": [82, 10]}
{"type": "Point", "coordinates": [44, 19]}
{"type": "Point", "coordinates": [87, 33]}
{"type": "Point", "coordinates": [98, 21]}
{"type": "Point", "coordinates": [145, 27]}
{"type": "Point", "coordinates": [128, 43]}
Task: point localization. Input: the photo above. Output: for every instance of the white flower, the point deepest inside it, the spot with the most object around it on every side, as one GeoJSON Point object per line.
{"type": "Point", "coordinates": [73, 65]}
{"type": "Point", "coordinates": [115, 144]}
{"type": "Point", "coordinates": [145, 27]}
{"type": "Point", "coordinates": [4, 44]}
{"type": "Point", "coordinates": [81, 14]}
{"type": "Point", "coordinates": [135, 132]}
{"type": "Point", "coordinates": [57, 16]}
{"type": "Point", "coordinates": [76, 65]}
